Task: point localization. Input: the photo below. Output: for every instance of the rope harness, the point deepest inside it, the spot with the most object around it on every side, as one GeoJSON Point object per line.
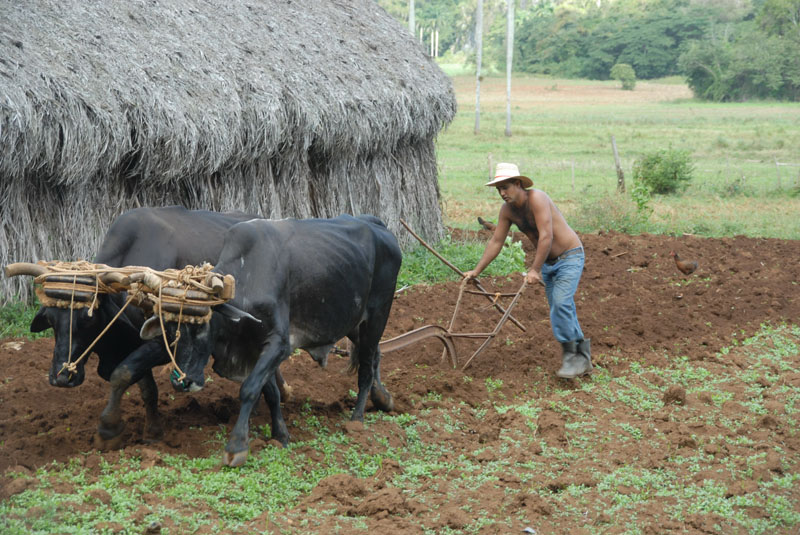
{"type": "Point", "coordinates": [182, 296]}
{"type": "Point", "coordinates": [175, 295]}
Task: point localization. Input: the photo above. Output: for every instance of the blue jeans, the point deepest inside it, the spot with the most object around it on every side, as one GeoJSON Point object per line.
{"type": "Point", "coordinates": [560, 283]}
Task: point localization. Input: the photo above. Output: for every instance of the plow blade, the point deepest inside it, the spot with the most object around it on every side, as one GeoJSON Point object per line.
{"type": "Point", "coordinates": [418, 335]}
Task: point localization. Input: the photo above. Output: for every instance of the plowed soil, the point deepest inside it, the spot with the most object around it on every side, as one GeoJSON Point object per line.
{"type": "Point", "coordinates": [632, 302]}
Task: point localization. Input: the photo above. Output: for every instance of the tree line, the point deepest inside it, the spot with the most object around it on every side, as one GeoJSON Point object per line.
{"type": "Point", "coordinates": [728, 50]}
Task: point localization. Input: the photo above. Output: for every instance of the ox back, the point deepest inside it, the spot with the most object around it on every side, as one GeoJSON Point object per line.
{"type": "Point", "coordinates": [308, 283]}
{"type": "Point", "coordinates": [320, 273]}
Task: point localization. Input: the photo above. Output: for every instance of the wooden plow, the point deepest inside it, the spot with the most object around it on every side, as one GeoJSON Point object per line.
{"type": "Point", "coordinates": [447, 336]}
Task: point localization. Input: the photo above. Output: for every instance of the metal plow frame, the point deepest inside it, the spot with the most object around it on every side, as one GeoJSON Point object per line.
{"type": "Point", "coordinates": [446, 336]}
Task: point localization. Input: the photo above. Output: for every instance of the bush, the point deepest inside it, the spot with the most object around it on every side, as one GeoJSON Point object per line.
{"type": "Point", "coordinates": [664, 171]}
{"type": "Point", "coordinates": [625, 74]}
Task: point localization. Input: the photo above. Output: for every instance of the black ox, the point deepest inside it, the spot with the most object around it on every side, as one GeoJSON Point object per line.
{"type": "Point", "coordinates": [160, 238]}
{"type": "Point", "coordinates": [299, 284]}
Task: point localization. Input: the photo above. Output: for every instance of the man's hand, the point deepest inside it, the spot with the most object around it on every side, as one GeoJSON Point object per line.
{"type": "Point", "coordinates": [534, 276]}
{"type": "Point", "coordinates": [469, 275]}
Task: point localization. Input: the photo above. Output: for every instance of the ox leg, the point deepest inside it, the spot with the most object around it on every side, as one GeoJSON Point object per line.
{"type": "Point", "coordinates": [136, 368]}
{"type": "Point", "coordinates": [380, 397]}
{"type": "Point", "coordinates": [272, 396]}
{"type": "Point", "coordinates": [109, 430]}
{"type": "Point", "coordinates": [262, 375]}
{"type": "Point", "coordinates": [366, 350]}
{"type": "Point", "coordinates": [153, 431]}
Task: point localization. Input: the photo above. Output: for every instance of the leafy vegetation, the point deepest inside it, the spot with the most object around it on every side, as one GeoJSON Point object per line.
{"type": "Point", "coordinates": [625, 74]}
{"type": "Point", "coordinates": [664, 171]}
{"type": "Point", "coordinates": [727, 50]}
{"type": "Point", "coordinates": [744, 62]}
{"type": "Point", "coordinates": [16, 318]}
{"type": "Point", "coordinates": [567, 41]}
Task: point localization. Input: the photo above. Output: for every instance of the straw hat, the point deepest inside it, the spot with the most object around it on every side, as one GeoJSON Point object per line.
{"type": "Point", "coordinates": [508, 171]}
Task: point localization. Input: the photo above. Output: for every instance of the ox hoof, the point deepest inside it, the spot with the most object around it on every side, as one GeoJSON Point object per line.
{"type": "Point", "coordinates": [286, 392]}
{"type": "Point", "coordinates": [106, 444]}
{"type": "Point", "coordinates": [153, 436]}
{"type": "Point", "coordinates": [382, 400]}
{"type": "Point", "coordinates": [153, 433]}
{"type": "Point", "coordinates": [234, 459]}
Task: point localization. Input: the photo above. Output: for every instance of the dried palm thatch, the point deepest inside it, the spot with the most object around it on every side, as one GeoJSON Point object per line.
{"type": "Point", "coordinates": [278, 107]}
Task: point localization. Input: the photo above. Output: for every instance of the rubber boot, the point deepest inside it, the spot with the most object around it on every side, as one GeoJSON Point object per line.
{"type": "Point", "coordinates": [585, 349]}
{"type": "Point", "coordinates": [576, 360]}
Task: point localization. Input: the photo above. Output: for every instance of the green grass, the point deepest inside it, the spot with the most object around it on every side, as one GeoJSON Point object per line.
{"type": "Point", "coordinates": [564, 127]}
{"type": "Point", "coordinates": [16, 318]}
{"type": "Point", "coordinates": [421, 266]}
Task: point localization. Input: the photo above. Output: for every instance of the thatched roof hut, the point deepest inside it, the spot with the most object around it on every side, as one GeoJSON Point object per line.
{"type": "Point", "coordinates": [284, 108]}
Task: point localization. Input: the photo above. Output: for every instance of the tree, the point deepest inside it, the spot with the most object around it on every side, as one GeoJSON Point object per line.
{"type": "Point", "coordinates": [478, 58]}
{"type": "Point", "coordinates": [743, 64]}
{"type": "Point", "coordinates": [780, 17]}
{"type": "Point", "coordinates": [509, 57]}
{"type": "Point", "coordinates": [625, 74]}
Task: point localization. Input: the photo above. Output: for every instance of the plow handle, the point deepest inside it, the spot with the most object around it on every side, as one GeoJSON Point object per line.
{"type": "Point", "coordinates": [461, 273]}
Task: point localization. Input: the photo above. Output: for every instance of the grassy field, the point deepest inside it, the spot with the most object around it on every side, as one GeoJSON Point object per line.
{"type": "Point", "coordinates": [561, 138]}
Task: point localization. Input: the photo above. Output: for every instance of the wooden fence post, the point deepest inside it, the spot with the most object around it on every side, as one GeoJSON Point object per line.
{"type": "Point", "coordinates": [573, 176]}
{"type": "Point", "coordinates": [620, 174]}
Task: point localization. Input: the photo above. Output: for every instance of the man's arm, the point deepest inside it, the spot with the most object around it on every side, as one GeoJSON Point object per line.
{"type": "Point", "coordinates": [495, 244]}
{"type": "Point", "coordinates": [540, 205]}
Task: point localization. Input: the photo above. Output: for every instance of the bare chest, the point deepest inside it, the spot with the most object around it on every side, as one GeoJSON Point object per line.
{"type": "Point", "coordinates": [525, 223]}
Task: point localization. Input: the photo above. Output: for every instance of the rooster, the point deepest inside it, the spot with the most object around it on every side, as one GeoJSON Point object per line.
{"type": "Point", "coordinates": [488, 225]}
{"type": "Point", "coordinates": [685, 266]}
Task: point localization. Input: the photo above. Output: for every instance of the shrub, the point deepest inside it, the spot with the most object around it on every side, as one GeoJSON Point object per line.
{"type": "Point", "coordinates": [625, 74]}
{"type": "Point", "coordinates": [664, 171]}
{"type": "Point", "coordinates": [641, 196]}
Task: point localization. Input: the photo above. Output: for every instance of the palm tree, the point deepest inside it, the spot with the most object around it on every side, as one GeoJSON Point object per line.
{"type": "Point", "coordinates": [509, 55]}
{"type": "Point", "coordinates": [478, 57]}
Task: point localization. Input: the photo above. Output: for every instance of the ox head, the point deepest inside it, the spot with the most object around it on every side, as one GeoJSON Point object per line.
{"type": "Point", "coordinates": [74, 329]}
{"type": "Point", "coordinates": [201, 312]}
{"type": "Point", "coordinates": [198, 341]}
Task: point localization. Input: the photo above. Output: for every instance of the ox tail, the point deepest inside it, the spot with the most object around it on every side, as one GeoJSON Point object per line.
{"type": "Point", "coordinates": [352, 367]}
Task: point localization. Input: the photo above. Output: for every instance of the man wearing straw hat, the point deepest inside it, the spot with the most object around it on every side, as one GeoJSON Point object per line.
{"type": "Point", "coordinates": [558, 263]}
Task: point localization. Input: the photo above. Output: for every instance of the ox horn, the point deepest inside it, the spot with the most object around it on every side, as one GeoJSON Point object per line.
{"type": "Point", "coordinates": [215, 282]}
{"type": "Point", "coordinates": [25, 268]}
{"type": "Point", "coordinates": [229, 291]}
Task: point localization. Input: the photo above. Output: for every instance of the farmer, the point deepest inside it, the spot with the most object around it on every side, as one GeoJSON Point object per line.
{"type": "Point", "coordinates": [558, 263]}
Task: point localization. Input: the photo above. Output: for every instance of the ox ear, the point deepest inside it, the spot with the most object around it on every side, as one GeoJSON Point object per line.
{"type": "Point", "coordinates": [235, 314]}
{"type": "Point", "coordinates": [40, 322]}
{"type": "Point", "coordinates": [150, 329]}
